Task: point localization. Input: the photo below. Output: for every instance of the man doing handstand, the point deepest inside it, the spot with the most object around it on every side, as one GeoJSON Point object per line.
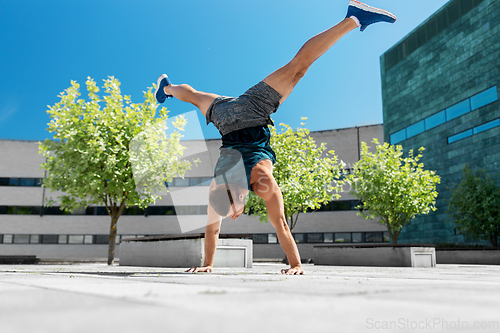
{"type": "Point", "coordinates": [243, 123]}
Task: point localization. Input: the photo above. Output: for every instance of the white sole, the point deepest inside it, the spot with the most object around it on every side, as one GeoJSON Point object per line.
{"type": "Point", "coordinates": [158, 82]}
{"type": "Point", "coordinates": [371, 9]}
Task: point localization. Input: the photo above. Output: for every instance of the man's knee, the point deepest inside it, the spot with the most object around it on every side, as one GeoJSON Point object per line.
{"type": "Point", "coordinates": [299, 70]}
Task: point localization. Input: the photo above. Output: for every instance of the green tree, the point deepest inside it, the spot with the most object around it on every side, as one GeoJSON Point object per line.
{"type": "Point", "coordinates": [475, 205]}
{"type": "Point", "coordinates": [109, 151]}
{"type": "Point", "coordinates": [306, 174]}
{"type": "Point", "coordinates": [393, 188]}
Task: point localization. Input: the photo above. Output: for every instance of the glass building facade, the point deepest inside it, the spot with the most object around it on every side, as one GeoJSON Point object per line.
{"type": "Point", "coordinates": [440, 88]}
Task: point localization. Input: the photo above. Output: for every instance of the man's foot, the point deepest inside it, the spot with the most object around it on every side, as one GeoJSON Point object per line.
{"type": "Point", "coordinates": [365, 15]}
{"type": "Point", "coordinates": [160, 94]}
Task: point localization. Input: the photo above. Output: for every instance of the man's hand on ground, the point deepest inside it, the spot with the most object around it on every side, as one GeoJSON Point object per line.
{"type": "Point", "coordinates": [293, 271]}
{"type": "Point", "coordinates": [206, 269]}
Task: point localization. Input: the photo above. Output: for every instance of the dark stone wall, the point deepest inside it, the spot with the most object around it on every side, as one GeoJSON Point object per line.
{"type": "Point", "coordinates": [458, 63]}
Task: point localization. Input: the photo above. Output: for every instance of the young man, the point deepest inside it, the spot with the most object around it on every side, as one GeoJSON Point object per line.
{"type": "Point", "coordinates": [243, 123]}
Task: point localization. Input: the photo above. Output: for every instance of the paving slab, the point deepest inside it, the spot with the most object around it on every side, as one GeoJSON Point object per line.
{"type": "Point", "coordinates": [101, 298]}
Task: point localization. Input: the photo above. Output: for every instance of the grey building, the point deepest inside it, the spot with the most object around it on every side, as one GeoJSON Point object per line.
{"type": "Point", "coordinates": [440, 88]}
{"type": "Point", "coordinates": [29, 228]}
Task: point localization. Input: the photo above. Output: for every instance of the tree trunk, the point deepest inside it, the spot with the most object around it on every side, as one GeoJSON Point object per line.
{"type": "Point", "coordinates": [112, 239]}
{"type": "Point", "coordinates": [389, 231]}
{"type": "Point", "coordinates": [395, 238]}
{"type": "Point", "coordinates": [494, 239]}
{"type": "Point", "coordinates": [293, 222]}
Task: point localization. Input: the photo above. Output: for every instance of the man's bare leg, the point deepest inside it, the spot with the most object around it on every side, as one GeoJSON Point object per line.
{"type": "Point", "coordinates": [186, 93]}
{"type": "Point", "coordinates": [284, 79]}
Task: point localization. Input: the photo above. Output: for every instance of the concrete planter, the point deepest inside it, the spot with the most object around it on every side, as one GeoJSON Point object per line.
{"type": "Point", "coordinates": [383, 255]}
{"type": "Point", "coordinates": [471, 256]}
{"type": "Point", "coordinates": [177, 253]}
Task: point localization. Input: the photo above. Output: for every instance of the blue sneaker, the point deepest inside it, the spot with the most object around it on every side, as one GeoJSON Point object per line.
{"type": "Point", "coordinates": [163, 82]}
{"type": "Point", "coordinates": [365, 15]}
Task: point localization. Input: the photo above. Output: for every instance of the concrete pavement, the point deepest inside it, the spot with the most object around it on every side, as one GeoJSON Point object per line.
{"type": "Point", "coordinates": [98, 298]}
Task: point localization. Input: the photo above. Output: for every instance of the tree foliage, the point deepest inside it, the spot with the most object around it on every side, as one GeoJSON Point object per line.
{"type": "Point", "coordinates": [475, 205]}
{"type": "Point", "coordinates": [392, 187]}
{"type": "Point", "coordinates": [99, 145]}
{"type": "Point", "coordinates": [306, 174]}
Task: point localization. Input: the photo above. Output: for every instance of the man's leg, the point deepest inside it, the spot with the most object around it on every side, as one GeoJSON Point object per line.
{"type": "Point", "coordinates": [284, 79]}
{"type": "Point", "coordinates": [186, 93]}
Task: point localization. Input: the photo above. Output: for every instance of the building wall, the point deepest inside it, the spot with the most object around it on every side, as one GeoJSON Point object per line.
{"type": "Point", "coordinates": [20, 159]}
{"type": "Point", "coordinates": [459, 62]}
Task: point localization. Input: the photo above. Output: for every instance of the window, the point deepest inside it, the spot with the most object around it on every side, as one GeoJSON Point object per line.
{"type": "Point", "coordinates": [272, 239]}
{"type": "Point", "coordinates": [328, 238]}
{"type": "Point", "coordinates": [343, 237]}
{"type": "Point", "coordinates": [374, 237]}
{"type": "Point", "coordinates": [357, 237]}
{"type": "Point", "coordinates": [415, 129]}
{"type": "Point", "coordinates": [62, 239]}
{"type": "Point", "coordinates": [315, 238]}
{"type": "Point", "coordinates": [186, 210]}
{"type": "Point", "coordinates": [75, 239]}
{"type": "Point", "coordinates": [435, 120]}
{"type": "Point", "coordinates": [34, 239]}
{"type": "Point", "coordinates": [194, 181]}
{"type": "Point", "coordinates": [398, 136]}
{"type": "Point", "coordinates": [101, 211]}
{"type": "Point", "coordinates": [20, 181]}
{"type": "Point", "coordinates": [50, 239]}
{"type": "Point", "coordinates": [161, 210]}
{"type": "Point", "coordinates": [458, 110]}
{"type": "Point", "coordinates": [79, 211]}
{"type": "Point", "coordinates": [484, 98]}
{"type": "Point", "coordinates": [460, 136]}
{"type": "Point", "coordinates": [27, 182]}
{"type": "Point", "coordinates": [52, 211]}
{"type": "Point", "coordinates": [1, 239]}
{"type": "Point", "coordinates": [90, 211]}
{"type": "Point", "coordinates": [205, 181]}
{"type": "Point", "coordinates": [88, 239]}
{"type": "Point", "coordinates": [486, 126]}
{"type": "Point", "coordinates": [130, 210]}
{"type": "Point", "coordinates": [157, 210]}
{"type": "Point", "coordinates": [102, 239]}
{"type": "Point", "coordinates": [479, 100]}
{"type": "Point", "coordinates": [341, 205]}
{"type": "Point", "coordinates": [299, 238]}
{"type": "Point", "coordinates": [7, 239]}
{"type": "Point", "coordinates": [259, 238]}
{"type": "Point", "coordinates": [356, 203]}
{"type": "Point", "coordinates": [23, 210]}
{"type": "Point", "coordinates": [21, 239]}
{"type": "Point", "coordinates": [181, 182]}
{"type": "Point", "coordinates": [326, 207]}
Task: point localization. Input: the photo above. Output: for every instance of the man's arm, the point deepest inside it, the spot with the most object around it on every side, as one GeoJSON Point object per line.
{"type": "Point", "coordinates": [267, 188]}
{"type": "Point", "coordinates": [211, 239]}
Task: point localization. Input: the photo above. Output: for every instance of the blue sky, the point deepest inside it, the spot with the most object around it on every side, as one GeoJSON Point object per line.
{"type": "Point", "coordinates": [218, 46]}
